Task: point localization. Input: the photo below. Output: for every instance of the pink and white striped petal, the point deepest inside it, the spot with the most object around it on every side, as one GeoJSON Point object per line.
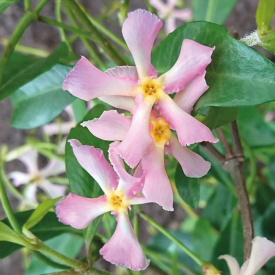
{"type": "Point", "coordinates": [187, 98]}
{"type": "Point", "coordinates": [157, 187]}
{"type": "Point", "coordinates": [79, 212]}
{"type": "Point", "coordinates": [123, 249]}
{"type": "Point", "coordinates": [87, 82]}
{"type": "Point", "coordinates": [120, 102]}
{"type": "Point", "coordinates": [51, 189]}
{"type": "Point", "coordinates": [94, 162]}
{"type": "Point", "coordinates": [192, 164]}
{"type": "Point", "coordinates": [128, 73]}
{"type": "Point", "coordinates": [262, 251]}
{"type": "Point", "coordinates": [232, 264]}
{"type": "Point", "coordinates": [53, 168]}
{"type": "Point", "coordinates": [189, 129]}
{"type": "Point", "coordinates": [109, 126]}
{"type": "Point", "coordinates": [140, 30]}
{"type": "Point", "coordinates": [137, 140]}
{"type": "Point", "coordinates": [193, 60]}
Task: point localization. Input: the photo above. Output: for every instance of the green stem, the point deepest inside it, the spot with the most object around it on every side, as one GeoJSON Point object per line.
{"type": "Point", "coordinates": [104, 43]}
{"type": "Point", "coordinates": [27, 5]}
{"type": "Point", "coordinates": [4, 198]}
{"type": "Point", "coordinates": [209, 11]}
{"type": "Point", "coordinates": [173, 239]}
{"type": "Point", "coordinates": [149, 7]}
{"type": "Point", "coordinates": [77, 265]}
{"type": "Point", "coordinates": [40, 6]}
{"type": "Point", "coordinates": [25, 21]}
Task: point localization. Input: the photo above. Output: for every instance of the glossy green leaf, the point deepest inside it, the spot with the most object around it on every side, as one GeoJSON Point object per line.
{"type": "Point", "coordinates": [264, 15]}
{"type": "Point", "coordinates": [41, 100]}
{"type": "Point", "coordinates": [214, 11]}
{"type": "Point", "coordinates": [79, 109]}
{"type": "Point", "coordinates": [46, 229]}
{"type": "Point", "coordinates": [40, 212]}
{"type": "Point", "coordinates": [217, 116]}
{"type": "Point", "coordinates": [4, 4]}
{"type": "Point", "coordinates": [8, 235]}
{"type": "Point", "coordinates": [237, 75]}
{"type": "Point", "coordinates": [81, 182]}
{"type": "Point", "coordinates": [188, 188]}
{"type": "Point", "coordinates": [23, 69]}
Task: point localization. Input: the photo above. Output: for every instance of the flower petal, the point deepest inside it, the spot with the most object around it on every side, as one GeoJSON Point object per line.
{"type": "Point", "coordinates": [110, 126]}
{"type": "Point", "coordinates": [120, 102]}
{"type": "Point", "coordinates": [87, 82]}
{"type": "Point", "coordinates": [130, 185]}
{"type": "Point", "coordinates": [189, 129]}
{"type": "Point", "coordinates": [128, 73]}
{"type": "Point", "coordinates": [183, 14]}
{"type": "Point", "coordinates": [187, 98]}
{"type": "Point", "coordinates": [79, 212]}
{"type": "Point", "coordinates": [137, 140]}
{"type": "Point", "coordinates": [158, 5]}
{"type": "Point", "coordinates": [192, 164]}
{"type": "Point", "coordinates": [53, 168]}
{"type": "Point", "coordinates": [29, 158]}
{"type": "Point", "coordinates": [140, 30]}
{"type": "Point", "coordinates": [232, 264]}
{"type": "Point", "coordinates": [52, 190]}
{"type": "Point", "coordinates": [157, 187]}
{"type": "Point", "coordinates": [123, 249]}
{"type": "Point", "coordinates": [94, 162]}
{"type": "Point", "coordinates": [193, 60]}
{"type": "Point", "coordinates": [170, 25]}
{"type": "Point", "coordinates": [30, 192]}
{"type": "Point", "coordinates": [58, 128]}
{"type": "Point", "coordinates": [262, 251]}
{"type": "Point", "coordinates": [19, 178]}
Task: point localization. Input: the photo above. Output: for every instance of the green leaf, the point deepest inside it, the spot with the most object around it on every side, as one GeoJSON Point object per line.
{"type": "Point", "coordinates": [22, 69]}
{"type": "Point", "coordinates": [217, 116]}
{"type": "Point", "coordinates": [264, 15]}
{"type": "Point", "coordinates": [8, 235]}
{"type": "Point", "coordinates": [214, 11]}
{"type": "Point", "coordinates": [237, 75]}
{"type": "Point", "coordinates": [62, 244]}
{"type": "Point", "coordinates": [40, 212]}
{"type": "Point", "coordinates": [4, 4]}
{"type": "Point", "coordinates": [188, 188]}
{"type": "Point", "coordinates": [81, 182]}
{"type": "Point", "coordinates": [79, 109]}
{"type": "Point", "coordinates": [46, 229]}
{"type": "Point", "coordinates": [41, 100]}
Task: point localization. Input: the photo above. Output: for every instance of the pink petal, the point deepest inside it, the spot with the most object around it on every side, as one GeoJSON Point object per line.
{"type": "Point", "coordinates": [53, 168]}
{"type": "Point", "coordinates": [94, 162]}
{"type": "Point", "coordinates": [52, 190]}
{"type": "Point", "coordinates": [232, 264]}
{"type": "Point", "coordinates": [140, 30]}
{"type": "Point", "coordinates": [137, 140]}
{"type": "Point", "coordinates": [58, 128]}
{"type": "Point", "coordinates": [192, 164]}
{"type": "Point", "coordinates": [79, 212]}
{"type": "Point", "coordinates": [187, 98]}
{"type": "Point", "coordinates": [29, 158]}
{"type": "Point", "coordinates": [110, 126]}
{"type": "Point", "coordinates": [130, 185]}
{"type": "Point", "coordinates": [189, 129]}
{"type": "Point", "coordinates": [262, 251]}
{"type": "Point", "coordinates": [123, 249]}
{"type": "Point", "coordinates": [120, 102]}
{"type": "Point", "coordinates": [193, 60]}
{"type": "Point", "coordinates": [128, 73]}
{"type": "Point", "coordinates": [185, 14]}
{"type": "Point", "coordinates": [87, 82]}
{"type": "Point", "coordinates": [157, 187]}
{"type": "Point", "coordinates": [19, 178]}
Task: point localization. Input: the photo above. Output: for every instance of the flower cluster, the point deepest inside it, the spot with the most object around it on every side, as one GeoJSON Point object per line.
{"type": "Point", "coordinates": [142, 139]}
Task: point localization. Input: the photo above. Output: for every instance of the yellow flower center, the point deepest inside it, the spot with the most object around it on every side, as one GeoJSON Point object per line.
{"type": "Point", "coordinates": [161, 132]}
{"type": "Point", "coordinates": [36, 178]}
{"type": "Point", "coordinates": [151, 89]}
{"type": "Point", "coordinates": [117, 201]}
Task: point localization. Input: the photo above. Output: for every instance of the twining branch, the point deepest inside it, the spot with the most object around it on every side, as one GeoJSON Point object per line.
{"type": "Point", "coordinates": [233, 163]}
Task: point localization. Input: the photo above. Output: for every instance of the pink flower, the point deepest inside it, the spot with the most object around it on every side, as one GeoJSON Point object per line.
{"type": "Point", "coordinates": [168, 12]}
{"type": "Point", "coordinates": [35, 178]}
{"type": "Point", "coordinates": [138, 88]}
{"type": "Point", "coordinates": [121, 190]}
{"type": "Point", "coordinates": [113, 126]}
{"type": "Point", "coordinates": [262, 251]}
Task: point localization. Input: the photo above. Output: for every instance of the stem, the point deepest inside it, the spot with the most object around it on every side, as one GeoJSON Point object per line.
{"type": "Point", "coordinates": [213, 152]}
{"type": "Point", "coordinates": [209, 10]}
{"type": "Point", "coordinates": [228, 151]}
{"type": "Point", "coordinates": [235, 167]}
{"type": "Point", "coordinates": [149, 7]}
{"type": "Point", "coordinates": [173, 239]}
{"type": "Point", "coordinates": [27, 5]}
{"type": "Point", "coordinates": [25, 21]}
{"type": "Point", "coordinates": [40, 6]}
{"type": "Point", "coordinates": [4, 198]}
{"type": "Point", "coordinates": [104, 43]}
{"type": "Point", "coordinates": [189, 211]}
{"type": "Point", "coordinates": [77, 265]}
